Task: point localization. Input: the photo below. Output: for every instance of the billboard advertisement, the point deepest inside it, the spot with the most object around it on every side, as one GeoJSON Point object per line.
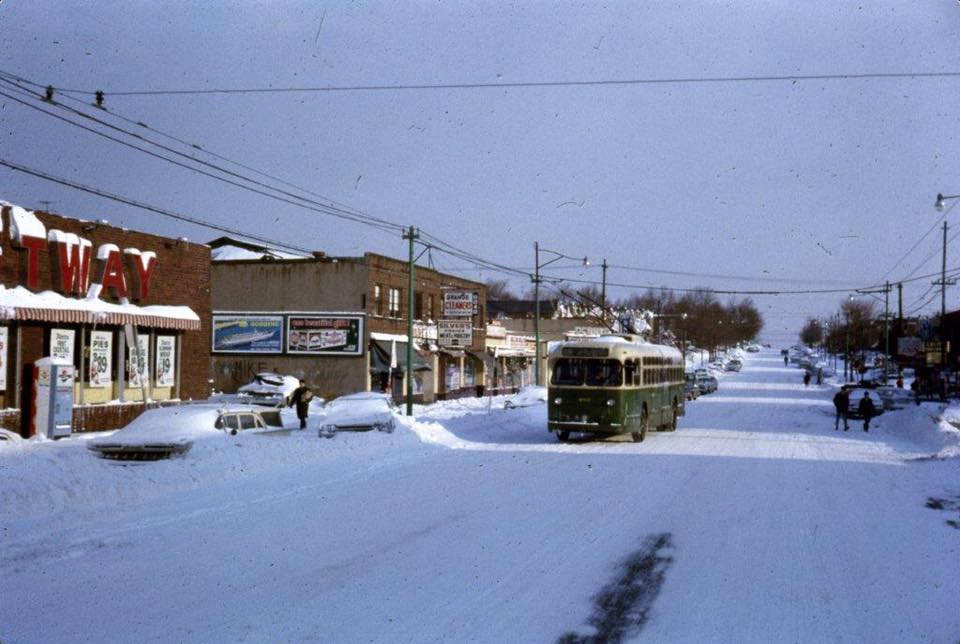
{"type": "Point", "coordinates": [246, 333]}
{"type": "Point", "coordinates": [323, 334]}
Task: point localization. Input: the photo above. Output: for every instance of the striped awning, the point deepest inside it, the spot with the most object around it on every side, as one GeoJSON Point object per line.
{"type": "Point", "coordinates": [68, 316]}
{"type": "Point", "coordinates": [20, 304]}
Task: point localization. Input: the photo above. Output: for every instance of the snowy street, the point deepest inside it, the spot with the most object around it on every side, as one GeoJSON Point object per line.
{"type": "Point", "coordinates": [754, 522]}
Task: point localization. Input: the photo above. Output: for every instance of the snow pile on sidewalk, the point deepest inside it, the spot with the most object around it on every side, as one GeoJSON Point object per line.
{"type": "Point", "coordinates": [43, 477]}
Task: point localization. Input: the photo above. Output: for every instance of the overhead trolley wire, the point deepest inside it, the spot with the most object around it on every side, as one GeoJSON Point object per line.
{"type": "Point", "coordinates": [382, 87]}
{"type": "Point", "coordinates": [144, 206]}
{"type": "Point", "coordinates": [308, 203]}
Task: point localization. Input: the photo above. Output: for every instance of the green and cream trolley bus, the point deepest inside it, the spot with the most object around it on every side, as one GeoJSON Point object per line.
{"type": "Point", "coordinates": [614, 384]}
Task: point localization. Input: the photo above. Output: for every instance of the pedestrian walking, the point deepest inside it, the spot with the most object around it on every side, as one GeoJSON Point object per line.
{"type": "Point", "coordinates": [806, 379]}
{"type": "Point", "coordinates": [785, 361]}
{"type": "Point", "coordinates": [867, 409]}
{"type": "Point", "coordinates": [841, 402]}
{"type": "Point", "coordinates": [301, 397]}
{"type": "Point", "coordinates": [819, 376]}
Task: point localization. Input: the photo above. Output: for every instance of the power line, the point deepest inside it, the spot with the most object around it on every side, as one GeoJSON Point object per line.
{"type": "Point", "coordinates": [160, 211]}
{"type": "Point", "coordinates": [308, 203]}
{"type": "Point", "coordinates": [517, 84]}
{"type": "Point", "coordinates": [919, 241]}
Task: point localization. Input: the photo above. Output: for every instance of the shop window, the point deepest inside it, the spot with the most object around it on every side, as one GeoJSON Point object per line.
{"type": "Point", "coordinates": [430, 307]}
{"type": "Point", "coordinates": [393, 303]}
{"type": "Point", "coordinates": [469, 373]}
{"type": "Point", "coordinates": [377, 300]}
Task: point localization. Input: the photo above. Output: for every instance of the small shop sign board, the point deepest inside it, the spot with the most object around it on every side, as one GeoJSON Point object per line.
{"type": "Point", "coordinates": [459, 303]}
{"type": "Point", "coordinates": [454, 333]}
{"type": "Point", "coordinates": [909, 347]}
{"type": "Point", "coordinates": [516, 342]}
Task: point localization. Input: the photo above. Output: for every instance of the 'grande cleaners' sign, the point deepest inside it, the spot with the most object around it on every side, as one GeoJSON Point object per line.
{"type": "Point", "coordinates": [74, 268]}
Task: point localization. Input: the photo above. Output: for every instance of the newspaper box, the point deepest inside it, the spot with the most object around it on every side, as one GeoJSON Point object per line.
{"type": "Point", "coordinates": [52, 413]}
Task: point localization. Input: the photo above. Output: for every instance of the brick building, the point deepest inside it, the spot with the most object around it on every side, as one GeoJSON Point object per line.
{"type": "Point", "coordinates": [336, 322]}
{"type": "Point", "coordinates": [129, 310]}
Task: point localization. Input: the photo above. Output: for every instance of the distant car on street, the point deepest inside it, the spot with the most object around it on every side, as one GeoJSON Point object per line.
{"type": "Point", "coordinates": [359, 412]}
{"type": "Point", "coordinates": [165, 431]}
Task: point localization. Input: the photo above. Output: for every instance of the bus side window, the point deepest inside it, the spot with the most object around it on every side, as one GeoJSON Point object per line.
{"type": "Point", "coordinates": [629, 373]}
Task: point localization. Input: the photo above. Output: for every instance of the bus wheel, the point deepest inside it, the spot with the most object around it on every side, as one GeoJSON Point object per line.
{"type": "Point", "coordinates": [644, 421]}
{"type": "Point", "coordinates": [563, 437]}
{"type": "Point", "coordinates": [672, 425]}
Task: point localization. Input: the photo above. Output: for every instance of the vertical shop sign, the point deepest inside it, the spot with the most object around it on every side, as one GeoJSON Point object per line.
{"type": "Point", "coordinates": [100, 372]}
{"type": "Point", "coordinates": [139, 364]}
{"type": "Point", "coordinates": [61, 345]}
{"type": "Point", "coordinates": [166, 360]}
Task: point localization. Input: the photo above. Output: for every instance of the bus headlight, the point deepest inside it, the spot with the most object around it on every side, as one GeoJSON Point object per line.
{"type": "Point", "coordinates": [611, 402]}
{"type": "Point", "coordinates": [558, 400]}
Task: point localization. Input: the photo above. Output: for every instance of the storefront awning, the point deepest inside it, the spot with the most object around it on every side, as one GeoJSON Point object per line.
{"type": "Point", "coordinates": [380, 357]}
{"type": "Point", "coordinates": [20, 304]}
{"type": "Point", "coordinates": [453, 353]}
{"type": "Point", "coordinates": [489, 362]}
{"type": "Point", "coordinates": [513, 353]}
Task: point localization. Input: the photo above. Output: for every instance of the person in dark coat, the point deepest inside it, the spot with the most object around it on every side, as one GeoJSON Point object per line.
{"type": "Point", "coordinates": [806, 379]}
{"type": "Point", "coordinates": [841, 402]}
{"type": "Point", "coordinates": [301, 397]}
{"type": "Point", "coordinates": [867, 409]}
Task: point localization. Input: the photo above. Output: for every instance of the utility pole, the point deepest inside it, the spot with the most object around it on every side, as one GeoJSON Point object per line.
{"type": "Point", "coordinates": [412, 234]}
{"type": "Point", "coordinates": [900, 303]}
{"type": "Point", "coordinates": [603, 292]}
{"type": "Point", "coordinates": [943, 283]}
{"type": "Point", "coordinates": [536, 314]}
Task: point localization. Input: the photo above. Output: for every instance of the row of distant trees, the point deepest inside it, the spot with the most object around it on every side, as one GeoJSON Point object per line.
{"type": "Point", "coordinates": [697, 316]}
{"type": "Point", "coordinates": [855, 327]}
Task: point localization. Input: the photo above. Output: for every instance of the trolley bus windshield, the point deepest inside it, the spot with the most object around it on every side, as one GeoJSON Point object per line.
{"type": "Point", "coordinates": [575, 372]}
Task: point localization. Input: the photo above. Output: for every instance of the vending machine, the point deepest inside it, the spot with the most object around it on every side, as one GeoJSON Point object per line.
{"type": "Point", "coordinates": [51, 415]}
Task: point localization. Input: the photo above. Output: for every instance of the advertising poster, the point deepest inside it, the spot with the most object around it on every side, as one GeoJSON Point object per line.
{"type": "Point", "coordinates": [4, 337]}
{"type": "Point", "coordinates": [138, 363]}
{"type": "Point", "coordinates": [243, 333]}
{"type": "Point", "coordinates": [61, 345]}
{"type": "Point", "coordinates": [166, 360]}
{"type": "Point", "coordinates": [340, 335]}
{"type": "Point", "coordinates": [101, 359]}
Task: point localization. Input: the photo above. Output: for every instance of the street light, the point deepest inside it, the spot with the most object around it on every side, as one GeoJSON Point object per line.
{"type": "Point", "coordinates": [939, 203]}
{"type": "Point", "coordinates": [536, 295]}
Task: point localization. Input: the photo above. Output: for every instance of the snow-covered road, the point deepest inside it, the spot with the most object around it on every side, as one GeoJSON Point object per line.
{"type": "Point", "coordinates": [754, 522]}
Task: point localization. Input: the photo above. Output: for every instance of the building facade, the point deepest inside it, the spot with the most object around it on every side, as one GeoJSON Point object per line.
{"type": "Point", "coordinates": [129, 311]}
{"type": "Point", "coordinates": [340, 323]}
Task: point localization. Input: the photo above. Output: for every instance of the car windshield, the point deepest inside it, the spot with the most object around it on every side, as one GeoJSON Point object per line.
{"type": "Point", "coordinates": [573, 372]}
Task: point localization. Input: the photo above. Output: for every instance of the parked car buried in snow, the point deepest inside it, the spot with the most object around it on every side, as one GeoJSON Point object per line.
{"type": "Point", "coordinates": [165, 431]}
{"type": "Point", "coordinates": [359, 412]}
{"type": "Point", "coordinates": [268, 388]}
{"type": "Point", "coordinates": [527, 397]}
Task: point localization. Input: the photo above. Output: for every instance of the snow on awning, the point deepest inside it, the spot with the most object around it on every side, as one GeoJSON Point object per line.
{"type": "Point", "coordinates": [20, 304]}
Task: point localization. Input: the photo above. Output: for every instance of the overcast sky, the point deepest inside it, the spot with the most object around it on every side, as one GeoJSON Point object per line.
{"type": "Point", "coordinates": [816, 184]}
